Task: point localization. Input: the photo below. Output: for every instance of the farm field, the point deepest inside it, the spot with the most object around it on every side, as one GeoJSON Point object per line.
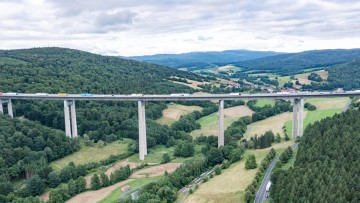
{"type": "Point", "coordinates": [209, 124]}
{"type": "Point", "coordinates": [274, 123]}
{"type": "Point", "coordinates": [174, 112]}
{"type": "Point", "coordinates": [97, 154]}
{"type": "Point", "coordinates": [230, 185]}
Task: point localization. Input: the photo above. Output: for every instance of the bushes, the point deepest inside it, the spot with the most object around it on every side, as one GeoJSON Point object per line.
{"type": "Point", "coordinates": [310, 107]}
{"type": "Point", "coordinates": [286, 155]}
{"type": "Point", "coordinates": [250, 162]}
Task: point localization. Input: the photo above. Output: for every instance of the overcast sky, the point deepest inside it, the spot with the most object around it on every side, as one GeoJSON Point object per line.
{"type": "Point", "coordinates": [142, 27]}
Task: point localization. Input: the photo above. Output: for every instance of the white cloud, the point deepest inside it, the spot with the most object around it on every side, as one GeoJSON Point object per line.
{"type": "Point", "coordinates": [122, 27]}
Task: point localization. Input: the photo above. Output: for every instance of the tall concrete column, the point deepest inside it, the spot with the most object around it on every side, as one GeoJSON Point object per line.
{"type": "Point", "coordinates": [67, 119]}
{"type": "Point", "coordinates": [301, 117]}
{"type": "Point", "coordinates": [1, 107]}
{"type": "Point", "coordinates": [221, 124]}
{"type": "Point", "coordinates": [295, 119]}
{"type": "Point", "coordinates": [144, 127]}
{"type": "Point", "coordinates": [141, 131]}
{"type": "Point", "coordinates": [10, 109]}
{"type": "Point", "coordinates": [73, 120]}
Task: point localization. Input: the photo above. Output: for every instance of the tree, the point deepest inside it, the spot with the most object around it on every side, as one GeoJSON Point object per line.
{"type": "Point", "coordinates": [95, 182]}
{"type": "Point", "coordinates": [278, 138]}
{"type": "Point", "coordinates": [80, 185]}
{"type": "Point", "coordinates": [104, 180]}
{"type": "Point", "coordinates": [248, 196]}
{"type": "Point", "coordinates": [215, 156]}
{"type": "Point", "coordinates": [72, 187]}
{"type": "Point", "coordinates": [5, 185]}
{"type": "Point", "coordinates": [217, 170]}
{"type": "Point", "coordinates": [35, 185]}
{"type": "Point", "coordinates": [167, 194]}
{"type": "Point", "coordinates": [53, 179]}
{"type": "Point", "coordinates": [166, 158]}
{"type": "Point", "coordinates": [250, 162]}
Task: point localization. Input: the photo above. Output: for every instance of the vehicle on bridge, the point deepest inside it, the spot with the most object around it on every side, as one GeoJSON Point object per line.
{"type": "Point", "coordinates": [180, 95]}
{"type": "Point", "coordinates": [11, 93]}
{"type": "Point", "coordinates": [86, 95]}
{"type": "Point", "coordinates": [137, 95]}
{"type": "Point", "coordinates": [235, 93]}
{"type": "Point", "coordinates": [41, 94]}
{"type": "Point", "coordinates": [62, 94]}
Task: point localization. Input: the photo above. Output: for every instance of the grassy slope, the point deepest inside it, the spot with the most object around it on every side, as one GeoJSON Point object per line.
{"type": "Point", "coordinates": [209, 124]}
{"type": "Point", "coordinates": [115, 194]}
{"type": "Point", "coordinates": [174, 111]}
{"type": "Point", "coordinates": [231, 184]}
{"type": "Point", "coordinates": [92, 154]}
{"type": "Point", "coordinates": [263, 102]}
{"type": "Point", "coordinates": [328, 106]}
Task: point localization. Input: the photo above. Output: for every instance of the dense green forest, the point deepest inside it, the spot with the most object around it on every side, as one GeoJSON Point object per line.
{"type": "Point", "coordinates": [27, 148]}
{"type": "Point", "coordinates": [54, 70]}
{"type": "Point", "coordinates": [294, 63]}
{"type": "Point", "coordinates": [327, 165]}
{"type": "Point", "coordinates": [345, 76]}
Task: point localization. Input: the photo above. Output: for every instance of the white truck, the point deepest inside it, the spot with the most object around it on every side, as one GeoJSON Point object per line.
{"type": "Point", "coordinates": [268, 186]}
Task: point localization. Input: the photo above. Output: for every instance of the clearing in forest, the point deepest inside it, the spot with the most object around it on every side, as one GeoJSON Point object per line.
{"type": "Point", "coordinates": [209, 124]}
{"type": "Point", "coordinates": [230, 185]}
{"type": "Point", "coordinates": [97, 154]}
{"type": "Point", "coordinates": [174, 112]}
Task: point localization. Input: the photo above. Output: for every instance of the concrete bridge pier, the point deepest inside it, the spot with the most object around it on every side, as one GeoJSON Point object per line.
{"type": "Point", "coordinates": [221, 124]}
{"type": "Point", "coordinates": [1, 107]}
{"type": "Point", "coordinates": [298, 114]}
{"type": "Point", "coordinates": [70, 130]}
{"type": "Point", "coordinates": [142, 130]}
{"type": "Point", "coordinates": [9, 106]}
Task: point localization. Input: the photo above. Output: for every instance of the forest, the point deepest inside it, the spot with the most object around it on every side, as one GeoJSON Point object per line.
{"type": "Point", "coordinates": [295, 63]}
{"type": "Point", "coordinates": [327, 165]}
{"type": "Point", "coordinates": [345, 76]}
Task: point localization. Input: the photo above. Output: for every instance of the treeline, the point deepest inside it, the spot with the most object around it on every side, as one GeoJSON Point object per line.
{"type": "Point", "coordinates": [266, 111]}
{"type": "Point", "coordinates": [327, 167]}
{"type": "Point", "coordinates": [74, 187]}
{"type": "Point", "coordinates": [250, 190]}
{"type": "Point", "coordinates": [237, 129]}
{"type": "Point", "coordinates": [315, 77]}
{"type": "Point", "coordinates": [346, 76]}
{"type": "Point", "coordinates": [262, 141]}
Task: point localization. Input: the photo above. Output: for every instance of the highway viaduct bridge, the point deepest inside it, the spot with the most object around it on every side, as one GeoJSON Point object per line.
{"type": "Point", "coordinates": [70, 112]}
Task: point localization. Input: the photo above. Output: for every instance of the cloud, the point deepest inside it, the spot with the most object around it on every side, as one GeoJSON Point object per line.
{"type": "Point", "coordinates": [150, 26]}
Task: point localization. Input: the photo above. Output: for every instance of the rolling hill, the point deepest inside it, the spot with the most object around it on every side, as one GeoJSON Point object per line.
{"type": "Point", "coordinates": [197, 60]}
{"type": "Point", "coordinates": [294, 63]}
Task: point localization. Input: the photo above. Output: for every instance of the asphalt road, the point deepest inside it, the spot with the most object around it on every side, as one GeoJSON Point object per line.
{"type": "Point", "coordinates": [174, 97]}
{"type": "Point", "coordinates": [347, 106]}
{"type": "Point", "coordinates": [261, 193]}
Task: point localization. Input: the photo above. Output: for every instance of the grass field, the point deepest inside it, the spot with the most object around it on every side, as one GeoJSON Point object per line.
{"type": "Point", "coordinates": [228, 68]}
{"type": "Point", "coordinates": [230, 185]}
{"type": "Point", "coordinates": [96, 154]}
{"type": "Point", "coordinates": [155, 155]}
{"type": "Point", "coordinates": [263, 102]}
{"type": "Point", "coordinates": [174, 112]}
{"type": "Point", "coordinates": [209, 124]}
{"type": "Point", "coordinates": [274, 123]}
{"type": "Point", "coordinates": [325, 108]}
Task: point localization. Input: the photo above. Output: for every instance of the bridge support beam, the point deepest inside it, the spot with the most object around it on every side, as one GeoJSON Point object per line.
{"type": "Point", "coordinates": [221, 124]}
{"type": "Point", "coordinates": [70, 129]}
{"type": "Point", "coordinates": [9, 106]}
{"type": "Point", "coordinates": [298, 117]}
{"type": "Point", "coordinates": [142, 130]}
{"type": "Point", "coordinates": [1, 107]}
{"type": "Point", "coordinates": [67, 119]}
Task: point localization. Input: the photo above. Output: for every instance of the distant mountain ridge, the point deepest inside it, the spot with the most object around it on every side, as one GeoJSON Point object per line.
{"type": "Point", "coordinates": [202, 59]}
{"type": "Point", "coordinates": [294, 63]}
